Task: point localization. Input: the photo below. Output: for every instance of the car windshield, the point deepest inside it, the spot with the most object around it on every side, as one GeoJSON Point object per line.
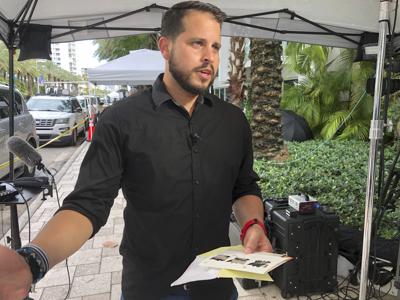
{"type": "Point", "coordinates": [82, 102]}
{"type": "Point", "coordinates": [42, 104]}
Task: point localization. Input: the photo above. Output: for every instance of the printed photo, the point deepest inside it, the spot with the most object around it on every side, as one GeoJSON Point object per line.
{"type": "Point", "coordinates": [260, 263]}
{"type": "Point", "coordinates": [220, 257]}
{"type": "Point", "coordinates": [238, 260]}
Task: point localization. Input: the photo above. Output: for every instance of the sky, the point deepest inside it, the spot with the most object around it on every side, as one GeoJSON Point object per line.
{"type": "Point", "coordinates": [85, 55]}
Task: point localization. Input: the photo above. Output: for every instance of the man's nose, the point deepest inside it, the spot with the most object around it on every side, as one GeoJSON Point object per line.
{"type": "Point", "coordinates": [209, 54]}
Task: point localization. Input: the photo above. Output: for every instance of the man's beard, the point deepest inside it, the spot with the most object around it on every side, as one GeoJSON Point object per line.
{"type": "Point", "coordinates": [183, 78]}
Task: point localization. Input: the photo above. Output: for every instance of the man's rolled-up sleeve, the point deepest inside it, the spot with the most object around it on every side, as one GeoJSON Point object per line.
{"type": "Point", "coordinates": [100, 174]}
{"type": "Point", "coordinates": [246, 183]}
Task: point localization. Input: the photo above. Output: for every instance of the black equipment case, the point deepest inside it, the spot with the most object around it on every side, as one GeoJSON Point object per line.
{"type": "Point", "coordinates": [311, 239]}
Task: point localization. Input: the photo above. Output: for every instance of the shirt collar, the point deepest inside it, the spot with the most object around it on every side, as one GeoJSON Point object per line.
{"type": "Point", "coordinates": [160, 94]}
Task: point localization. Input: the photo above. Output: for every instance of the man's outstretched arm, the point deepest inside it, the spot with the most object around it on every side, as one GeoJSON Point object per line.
{"type": "Point", "coordinates": [62, 236]}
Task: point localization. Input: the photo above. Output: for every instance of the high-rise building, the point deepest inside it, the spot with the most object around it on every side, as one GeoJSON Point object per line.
{"type": "Point", "coordinates": [64, 55]}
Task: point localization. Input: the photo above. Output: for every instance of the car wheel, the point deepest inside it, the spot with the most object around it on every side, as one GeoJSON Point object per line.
{"type": "Point", "coordinates": [73, 138]}
{"type": "Point", "coordinates": [29, 171]}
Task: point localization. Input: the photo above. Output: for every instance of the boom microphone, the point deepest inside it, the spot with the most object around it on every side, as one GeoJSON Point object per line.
{"type": "Point", "coordinates": [25, 152]}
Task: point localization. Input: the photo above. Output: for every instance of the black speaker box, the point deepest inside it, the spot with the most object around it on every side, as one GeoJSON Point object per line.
{"type": "Point", "coordinates": [311, 239]}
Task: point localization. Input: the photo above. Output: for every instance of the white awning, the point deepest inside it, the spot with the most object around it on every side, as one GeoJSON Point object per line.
{"type": "Point", "coordinates": [139, 67]}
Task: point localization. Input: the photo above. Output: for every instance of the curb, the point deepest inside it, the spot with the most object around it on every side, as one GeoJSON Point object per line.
{"type": "Point", "coordinates": [36, 202]}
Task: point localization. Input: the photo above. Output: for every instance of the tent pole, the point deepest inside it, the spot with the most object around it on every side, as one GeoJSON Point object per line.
{"type": "Point", "coordinates": [376, 132]}
{"type": "Point", "coordinates": [15, 237]}
{"type": "Point", "coordinates": [11, 94]}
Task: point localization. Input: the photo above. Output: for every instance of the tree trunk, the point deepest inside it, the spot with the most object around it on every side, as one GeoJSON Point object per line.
{"type": "Point", "coordinates": [237, 71]}
{"type": "Point", "coordinates": [266, 87]}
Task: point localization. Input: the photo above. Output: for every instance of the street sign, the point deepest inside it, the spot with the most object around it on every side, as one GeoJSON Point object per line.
{"type": "Point", "coordinates": [41, 80]}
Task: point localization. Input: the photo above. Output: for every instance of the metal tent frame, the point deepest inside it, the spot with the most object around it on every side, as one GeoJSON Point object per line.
{"type": "Point", "coordinates": [351, 39]}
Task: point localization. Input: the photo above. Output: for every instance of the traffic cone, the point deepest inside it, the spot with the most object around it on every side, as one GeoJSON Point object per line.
{"type": "Point", "coordinates": [90, 130]}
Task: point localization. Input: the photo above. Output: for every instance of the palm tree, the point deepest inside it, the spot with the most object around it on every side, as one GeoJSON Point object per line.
{"type": "Point", "coordinates": [236, 74]}
{"type": "Point", "coordinates": [266, 86]}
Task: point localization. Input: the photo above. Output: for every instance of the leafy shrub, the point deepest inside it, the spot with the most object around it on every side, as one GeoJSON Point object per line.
{"type": "Point", "coordinates": [335, 172]}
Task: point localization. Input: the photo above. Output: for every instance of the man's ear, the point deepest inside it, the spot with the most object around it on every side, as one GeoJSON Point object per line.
{"type": "Point", "coordinates": [164, 44]}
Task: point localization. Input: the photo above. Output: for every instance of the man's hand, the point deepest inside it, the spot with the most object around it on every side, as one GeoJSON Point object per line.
{"type": "Point", "coordinates": [15, 275]}
{"type": "Point", "coordinates": [255, 240]}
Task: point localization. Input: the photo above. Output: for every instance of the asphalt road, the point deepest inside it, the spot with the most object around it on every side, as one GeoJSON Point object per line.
{"type": "Point", "coordinates": [55, 156]}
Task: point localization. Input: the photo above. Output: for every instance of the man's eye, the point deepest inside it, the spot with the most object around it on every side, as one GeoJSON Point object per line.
{"type": "Point", "coordinates": [217, 47]}
{"type": "Point", "coordinates": [198, 43]}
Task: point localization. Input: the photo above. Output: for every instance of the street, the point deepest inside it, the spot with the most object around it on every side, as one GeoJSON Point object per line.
{"type": "Point", "coordinates": [54, 157]}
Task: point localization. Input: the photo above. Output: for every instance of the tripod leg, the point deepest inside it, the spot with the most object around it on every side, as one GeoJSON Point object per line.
{"type": "Point", "coordinates": [397, 278]}
{"type": "Point", "coordinates": [15, 237]}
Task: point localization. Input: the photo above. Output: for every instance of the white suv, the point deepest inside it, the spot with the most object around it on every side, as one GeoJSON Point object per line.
{"type": "Point", "coordinates": [55, 115]}
{"type": "Point", "coordinates": [24, 127]}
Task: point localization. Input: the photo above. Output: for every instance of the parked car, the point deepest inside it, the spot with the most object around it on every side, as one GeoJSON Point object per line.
{"type": "Point", "coordinates": [91, 105]}
{"type": "Point", "coordinates": [55, 115]}
{"type": "Point", "coordinates": [24, 127]}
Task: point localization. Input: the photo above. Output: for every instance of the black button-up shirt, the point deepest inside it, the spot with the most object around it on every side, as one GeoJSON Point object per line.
{"type": "Point", "coordinates": [179, 175]}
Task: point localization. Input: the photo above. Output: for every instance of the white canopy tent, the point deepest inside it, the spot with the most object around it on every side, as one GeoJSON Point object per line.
{"type": "Point", "coordinates": [337, 23]}
{"type": "Point", "coordinates": [139, 67]}
{"type": "Point", "coordinates": [311, 21]}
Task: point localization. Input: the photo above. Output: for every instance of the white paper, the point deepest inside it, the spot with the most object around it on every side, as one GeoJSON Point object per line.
{"type": "Point", "coordinates": [258, 262]}
{"type": "Point", "coordinates": [195, 272]}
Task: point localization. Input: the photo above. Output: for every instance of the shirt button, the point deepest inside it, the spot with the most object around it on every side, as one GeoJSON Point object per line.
{"type": "Point", "coordinates": [196, 182]}
{"type": "Point", "coordinates": [197, 216]}
{"type": "Point", "coordinates": [195, 150]}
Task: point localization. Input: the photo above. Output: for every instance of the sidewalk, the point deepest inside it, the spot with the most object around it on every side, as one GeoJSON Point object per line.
{"type": "Point", "coordinates": [95, 269]}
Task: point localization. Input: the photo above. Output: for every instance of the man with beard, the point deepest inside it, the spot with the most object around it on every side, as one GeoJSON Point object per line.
{"type": "Point", "coordinates": [183, 159]}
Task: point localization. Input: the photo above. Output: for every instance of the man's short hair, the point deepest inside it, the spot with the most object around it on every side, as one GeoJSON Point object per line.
{"type": "Point", "coordinates": [171, 24]}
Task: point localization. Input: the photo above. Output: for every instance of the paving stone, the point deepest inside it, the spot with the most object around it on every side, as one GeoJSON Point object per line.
{"type": "Point", "coordinates": [110, 251]}
{"type": "Point", "coordinates": [99, 240]}
{"type": "Point", "coordinates": [116, 292]}
{"type": "Point", "coordinates": [116, 277]}
{"type": "Point", "coordinates": [88, 269]}
{"type": "Point", "coordinates": [105, 231]}
{"type": "Point", "coordinates": [111, 264]}
{"type": "Point", "coordinates": [119, 220]}
{"type": "Point", "coordinates": [105, 296]}
{"type": "Point", "coordinates": [56, 276]}
{"type": "Point", "coordinates": [118, 205]}
{"type": "Point", "coordinates": [117, 213]}
{"type": "Point", "coordinates": [91, 285]}
{"type": "Point", "coordinates": [25, 235]}
{"type": "Point", "coordinates": [87, 245]}
{"type": "Point", "coordinates": [37, 215]}
{"type": "Point", "coordinates": [36, 226]}
{"type": "Point", "coordinates": [119, 228]}
{"type": "Point", "coordinates": [86, 256]}
{"type": "Point", "coordinates": [55, 292]}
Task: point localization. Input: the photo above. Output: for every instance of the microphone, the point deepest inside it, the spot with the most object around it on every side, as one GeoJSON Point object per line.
{"type": "Point", "coordinates": [25, 152]}
{"type": "Point", "coordinates": [195, 138]}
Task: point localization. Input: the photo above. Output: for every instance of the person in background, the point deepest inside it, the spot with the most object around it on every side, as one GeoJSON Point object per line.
{"type": "Point", "coordinates": [183, 159]}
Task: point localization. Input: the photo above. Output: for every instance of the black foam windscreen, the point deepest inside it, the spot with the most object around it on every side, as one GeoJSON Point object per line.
{"type": "Point", "coordinates": [35, 42]}
{"type": "Point", "coordinates": [25, 152]}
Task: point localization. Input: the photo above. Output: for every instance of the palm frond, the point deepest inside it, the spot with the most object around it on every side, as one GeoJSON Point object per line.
{"type": "Point", "coordinates": [333, 123]}
{"type": "Point", "coordinates": [358, 130]}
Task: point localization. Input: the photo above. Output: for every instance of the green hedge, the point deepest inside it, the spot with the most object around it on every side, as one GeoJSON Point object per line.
{"type": "Point", "coordinates": [335, 172]}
